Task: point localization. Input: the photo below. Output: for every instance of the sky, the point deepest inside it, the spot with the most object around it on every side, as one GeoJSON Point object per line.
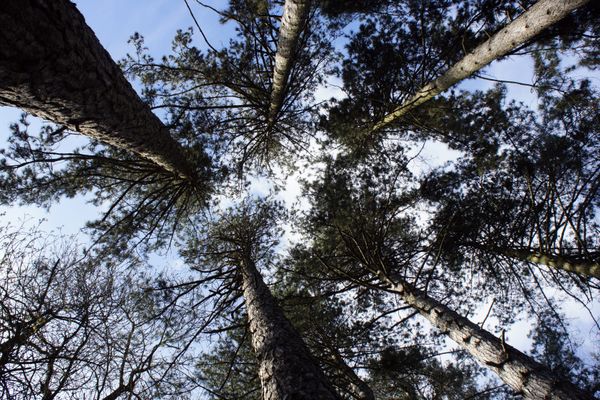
{"type": "Point", "coordinates": [114, 21]}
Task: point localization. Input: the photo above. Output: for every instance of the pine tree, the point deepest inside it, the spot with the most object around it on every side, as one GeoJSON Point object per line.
{"type": "Point", "coordinates": [540, 16]}
{"type": "Point", "coordinates": [370, 237]}
{"type": "Point", "coordinates": [525, 187]}
{"type": "Point", "coordinates": [54, 67]}
{"type": "Point", "coordinates": [524, 191]}
{"type": "Point", "coordinates": [295, 15]}
{"type": "Point", "coordinates": [238, 242]}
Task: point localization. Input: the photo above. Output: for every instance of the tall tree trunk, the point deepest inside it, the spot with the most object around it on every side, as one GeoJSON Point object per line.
{"type": "Point", "coordinates": [516, 369]}
{"type": "Point", "coordinates": [540, 16]}
{"type": "Point", "coordinates": [295, 13]}
{"type": "Point", "coordinates": [285, 367]}
{"type": "Point", "coordinates": [564, 263]}
{"type": "Point", "coordinates": [53, 66]}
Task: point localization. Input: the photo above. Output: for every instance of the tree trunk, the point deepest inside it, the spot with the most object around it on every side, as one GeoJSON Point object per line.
{"type": "Point", "coordinates": [516, 369]}
{"type": "Point", "coordinates": [53, 66]}
{"type": "Point", "coordinates": [285, 367]}
{"type": "Point", "coordinates": [540, 16]}
{"type": "Point", "coordinates": [295, 13]}
{"type": "Point", "coordinates": [558, 262]}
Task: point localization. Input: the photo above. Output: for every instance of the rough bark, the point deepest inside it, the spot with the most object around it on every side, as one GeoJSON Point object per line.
{"type": "Point", "coordinates": [519, 371]}
{"type": "Point", "coordinates": [286, 368]}
{"type": "Point", "coordinates": [53, 66]}
{"type": "Point", "coordinates": [295, 13]}
{"type": "Point", "coordinates": [540, 16]}
{"type": "Point", "coordinates": [558, 262]}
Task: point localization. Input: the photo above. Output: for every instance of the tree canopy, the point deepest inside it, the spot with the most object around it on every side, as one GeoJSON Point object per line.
{"type": "Point", "coordinates": [387, 277]}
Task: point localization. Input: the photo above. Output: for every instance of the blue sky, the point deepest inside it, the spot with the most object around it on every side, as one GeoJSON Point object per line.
{"type": "Point", "coordinates": [114, 21]}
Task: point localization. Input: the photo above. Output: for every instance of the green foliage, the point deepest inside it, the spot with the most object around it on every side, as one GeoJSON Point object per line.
{"type": "Point", "coordinates": [336, 8]}
{"type": "Point", "coordinates": [142, 200]}
{"type": "Point", "coordinates": [229, 370]}
{"type": "Point", "coordinates": [223, 95]}
{"type": "Point", "coordinates": [395, 53]}
{"type": "Point", "coordinates": [532, 187]}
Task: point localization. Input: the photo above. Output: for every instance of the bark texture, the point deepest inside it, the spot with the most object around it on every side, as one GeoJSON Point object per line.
{"type": "Point", "coordinates": [286, 368]}
{"type": "Point", "coordinates": [519, 371]}
{"type": "Point", "coordinates": [540, 16]}
{"type": "Point", "coordinates": [53, 66]}
{"type": "Point", "coordinates": [295, 13]}
{"type": "Point", "coordinates": [558, 262]}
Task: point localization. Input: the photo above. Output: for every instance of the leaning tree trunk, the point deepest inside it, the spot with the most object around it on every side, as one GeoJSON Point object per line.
{"type": "Point", "coordinates": [285, 367]}
{"type": "Point", "coordinates": [53, 66]}
{"type": "Point", "coordinates": [540, 16]}
{"type": "Point", "coordinates": [295, 13]}
{"type": "Point", "coordinates": [516, 369]}
{"type": "Point", "coordinates": [583, 268]}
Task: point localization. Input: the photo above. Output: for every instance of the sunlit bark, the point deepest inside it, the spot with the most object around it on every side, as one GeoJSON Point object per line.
{"type": "Point", "coordinates": [558, 262]}
{"type": "Point", "coordinates": [295, 13]}
{"type": "Point", "coordinates": [523, 374]}
{"type": "Point", "coordinates": [540, 16]}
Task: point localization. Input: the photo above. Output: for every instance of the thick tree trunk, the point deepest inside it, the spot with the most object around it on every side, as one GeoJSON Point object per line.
{"type": "Point", "coordinates": [53, 66]}
{"type": "Point", "coordinates": [516, 369]}
{"type": "Point", "coordinates": [540, 16]}
{"type": "Point", "coordinates": [294, 17]}
{"type": "Point", "coordinates": [286, 368]}
{"type": "Point", "coordinates": [558, 262]}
